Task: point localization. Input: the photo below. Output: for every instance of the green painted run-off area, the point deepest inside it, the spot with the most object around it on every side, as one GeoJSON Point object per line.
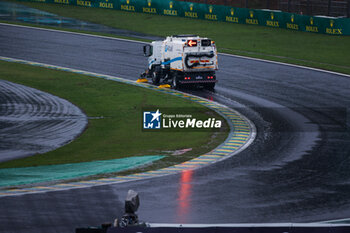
{"type": "Point", "coordinates": [30, 175]}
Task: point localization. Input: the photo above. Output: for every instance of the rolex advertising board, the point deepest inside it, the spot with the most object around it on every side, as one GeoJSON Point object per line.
{"type": "Point", "coordinates": [268, 18]}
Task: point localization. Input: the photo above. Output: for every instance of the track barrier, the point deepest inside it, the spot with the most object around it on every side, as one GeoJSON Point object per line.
{"type": "Point", "coordinates": [235, 15]}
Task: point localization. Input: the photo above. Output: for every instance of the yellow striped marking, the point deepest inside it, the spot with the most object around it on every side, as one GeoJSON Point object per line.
{"type": "Point", "coordinates": [139, 174]}
{"type": "Point", "coordinates": [74, 185]}
{"type": "Point", "coordinates": [194, 162]}
{"type": "Point", "coordinates": [204, 159]}
{"type": "Point", "coordinates": [109, 179]}
{"type": "Point", "coordinates": [121, 177]}
{"type": "Point", "coordinates": [157, 172]}
{"type": "Point", "coordinates": [20, 190]}
{"type": "Point", "coordinates": [236, 140]}
{"type": "Point", "coordinates": [188, 165]}
{"type": "Point", "coordinates": [229, 147]}
{"type": "Point", "coordinates": [43, 187]}
{"type": "Point", "coordinates": [173, 168]}
{"type": "Point", "coordinates": [167, 169]}
{"type": "Point", "coordinates": [216, 156]}
{"type": "Point", "coordinates": [131, 177]}
{"type": "Point", "coordinates": [88, 182]}
{"type": "Point", "coordinates": [234, 144]}
{"type": "Point", "coordinates": [221, 153]}
{"type": "Point", "coordinates": [224, 150]}
{"type": "Point", "coordinates": [148, 174]}
{"type": "Point", "coordinates": [198, 162]}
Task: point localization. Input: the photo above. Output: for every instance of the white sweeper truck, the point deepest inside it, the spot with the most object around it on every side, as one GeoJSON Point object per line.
{"type": "Point", "coordinates": [182, 60]}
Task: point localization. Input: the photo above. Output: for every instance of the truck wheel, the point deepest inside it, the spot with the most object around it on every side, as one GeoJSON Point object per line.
{"type": "Point", "coordinates": [155, 78]}
{"type": "Point", "coordinates": [175, 83]}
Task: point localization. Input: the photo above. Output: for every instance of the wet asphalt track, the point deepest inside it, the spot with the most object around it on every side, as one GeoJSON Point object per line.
{"type": "Point", "coordinates": [297, 170]}
{"type": "Point", "coordinates": [32, 121]}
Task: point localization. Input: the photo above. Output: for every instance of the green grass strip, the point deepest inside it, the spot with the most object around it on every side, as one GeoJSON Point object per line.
{"type": "Point", "coordinates": [301, 48]}
{"type": "Point", "coordinates": [115, 110]}
{"type": "Point", "coordinates": [39, 174]}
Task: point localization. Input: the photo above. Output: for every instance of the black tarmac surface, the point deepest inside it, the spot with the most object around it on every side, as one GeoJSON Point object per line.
{"type": "Point", "coordinates": [32, 121]}
{"type": "Point", "coordinates": [297, 170]}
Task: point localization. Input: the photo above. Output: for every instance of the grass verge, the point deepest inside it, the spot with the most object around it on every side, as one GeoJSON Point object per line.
{"type": "Point", "coordinates": [119, 133]}
{"type": "Point", "coordinates": [301, 48]}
